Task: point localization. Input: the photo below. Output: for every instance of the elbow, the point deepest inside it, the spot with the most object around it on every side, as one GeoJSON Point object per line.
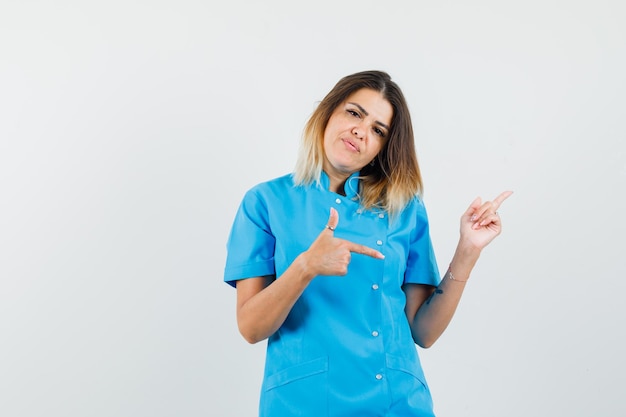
{"type": "Point", "coordinates": [424, 336]}
{"type": "Point", "coordinates": [425, 345]}
{"type": "Point", "coordinates": [251, 339]}
{"type": "Point", "coordinates": [250, 335]}
{"type": "Point", "coordinates": [424, 341]}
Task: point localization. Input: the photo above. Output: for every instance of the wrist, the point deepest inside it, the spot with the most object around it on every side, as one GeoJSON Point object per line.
{"type": "Point", "coordinates": [467, 250]}
{"type": "Point", "coordinates": [463, 261]}
{"type": "Point", "coordinates": [304, 267]}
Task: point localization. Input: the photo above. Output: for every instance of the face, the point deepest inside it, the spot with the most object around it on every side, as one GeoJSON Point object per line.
{"type": "Point", "coordinates": [356, 132]}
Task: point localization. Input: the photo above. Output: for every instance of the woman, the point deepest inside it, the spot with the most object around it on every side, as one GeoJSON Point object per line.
{"type": "Point", "coordinates": [334, 263]}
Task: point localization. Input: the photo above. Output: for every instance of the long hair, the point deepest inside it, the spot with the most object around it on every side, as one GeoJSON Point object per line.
{"type": "Point", "coordinates": [394, 178]}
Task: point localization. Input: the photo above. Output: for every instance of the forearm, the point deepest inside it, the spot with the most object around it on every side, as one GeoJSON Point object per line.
{"type": "Point", "coordinates": [434, 315]}
{"type": "Point", "coordinates": [263, 313]}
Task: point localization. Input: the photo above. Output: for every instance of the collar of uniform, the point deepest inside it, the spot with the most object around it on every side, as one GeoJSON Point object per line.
{"type": "Point", "coordinates": [350, 188]}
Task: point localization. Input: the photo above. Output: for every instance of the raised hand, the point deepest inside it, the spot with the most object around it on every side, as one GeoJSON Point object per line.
{"type": "Point", "coordinates": [329, 255]}
{"type": "Point", "coordinates": [480, 223]}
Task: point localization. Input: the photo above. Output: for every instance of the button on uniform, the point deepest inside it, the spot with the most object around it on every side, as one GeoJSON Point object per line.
{"type": "Point", "coordinates": [379, 376]}
{"type": "Point", "coordinates": [375, 333]}
{"type": "Point", "coordinates": [374, 287]}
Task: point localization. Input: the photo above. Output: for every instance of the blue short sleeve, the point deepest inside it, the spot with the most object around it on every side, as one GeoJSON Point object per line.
{"type": "Point", "coordinates": [250, 247]}
{"type": "Point", "coordinates": [421, 263]}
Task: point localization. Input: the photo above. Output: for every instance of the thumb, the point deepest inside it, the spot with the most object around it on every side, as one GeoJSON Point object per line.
{"type": "Point", "coordinates": [333, 220]}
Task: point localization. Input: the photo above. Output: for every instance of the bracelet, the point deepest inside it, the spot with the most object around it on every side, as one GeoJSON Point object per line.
{"type": "Point", "coordinates": [450, 276]}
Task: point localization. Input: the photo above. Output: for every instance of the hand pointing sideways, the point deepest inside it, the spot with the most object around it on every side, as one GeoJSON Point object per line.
{"type": "Point", "coordinates": [329, 255]}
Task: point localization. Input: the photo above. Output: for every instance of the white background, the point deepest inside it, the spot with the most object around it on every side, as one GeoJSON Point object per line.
{"type": "Point", "coordinates": [129, 131]}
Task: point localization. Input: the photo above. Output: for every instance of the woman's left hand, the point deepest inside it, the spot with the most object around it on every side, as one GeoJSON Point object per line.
{"type": "Point", "coordinates": [480, 224]}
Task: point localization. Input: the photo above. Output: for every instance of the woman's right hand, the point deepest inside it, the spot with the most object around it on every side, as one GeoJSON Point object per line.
{"type": "Point", "coordinates": [263, 303]}
{"type": "Point", "coordinates": [329, 255]}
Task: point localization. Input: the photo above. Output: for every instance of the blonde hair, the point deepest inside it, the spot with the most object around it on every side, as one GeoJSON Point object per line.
{"type": "Point", "coordinates": [394, 179]}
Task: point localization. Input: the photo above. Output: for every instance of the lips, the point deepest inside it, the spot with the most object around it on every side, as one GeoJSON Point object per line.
{"type": "Point", "coordinates": [351, 145]}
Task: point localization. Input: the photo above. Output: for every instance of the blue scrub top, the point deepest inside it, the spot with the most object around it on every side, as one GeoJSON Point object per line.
{"type": "Point", "coordinates": [345, 348]}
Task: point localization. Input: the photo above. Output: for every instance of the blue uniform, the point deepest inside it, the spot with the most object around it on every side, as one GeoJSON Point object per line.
{"type": "Point", "coordinates": [345, 348]}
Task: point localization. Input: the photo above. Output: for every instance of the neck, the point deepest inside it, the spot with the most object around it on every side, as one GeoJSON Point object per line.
{"type": "Point", "coordinates": [337, 183]}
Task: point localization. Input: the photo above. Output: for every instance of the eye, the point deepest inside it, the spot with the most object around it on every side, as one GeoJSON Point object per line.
{"type": "Point", "coordinates": [353, 113]}
{"type": "Point", "coordinates": [380, 133]}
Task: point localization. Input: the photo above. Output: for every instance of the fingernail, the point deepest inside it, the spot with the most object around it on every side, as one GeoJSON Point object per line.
{"type": "Point", "coordinates": [473, 217]}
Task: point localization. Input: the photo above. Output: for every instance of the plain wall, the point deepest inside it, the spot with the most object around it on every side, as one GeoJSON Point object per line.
{"type": "Point", "coordinates": [129, 131]}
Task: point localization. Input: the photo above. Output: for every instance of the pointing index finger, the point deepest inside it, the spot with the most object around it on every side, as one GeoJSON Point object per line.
{"type": "Point", "coordinates": [500, 199]}
{"type": "Point", "coordinates": [364, 250]}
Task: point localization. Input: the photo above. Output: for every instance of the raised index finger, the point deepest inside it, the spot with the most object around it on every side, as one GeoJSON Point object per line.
{"type": "Point", "coordinates": [364, 250]}
{"type": "Point", "coordinates": [499, 199]}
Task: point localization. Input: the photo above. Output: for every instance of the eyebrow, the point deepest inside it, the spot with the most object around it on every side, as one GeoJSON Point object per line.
{"type": "Point", "coordinates": [367, 114]}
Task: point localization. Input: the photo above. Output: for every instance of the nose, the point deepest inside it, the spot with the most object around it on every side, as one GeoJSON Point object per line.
{"type": "Point", "coordinates": [357, 131]}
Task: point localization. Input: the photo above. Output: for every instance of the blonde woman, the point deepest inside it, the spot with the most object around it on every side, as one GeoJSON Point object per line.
{"type": "Point", "coordinates": [334, 265]}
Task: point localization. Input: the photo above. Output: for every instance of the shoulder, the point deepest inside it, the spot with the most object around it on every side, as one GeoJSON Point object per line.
{"type": "Point", "coordinates": [412, 219]}
{"type": "Point", "coordinates": [415, 208]}
{"type": "Point", "coordinates": [273, 192]}
{"type": "Point", "coordinates": [274, 186]}
{"type": "Point", "coordinates": [257, 202]}
{"type": "Point", "coordinates": [283, 182]}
